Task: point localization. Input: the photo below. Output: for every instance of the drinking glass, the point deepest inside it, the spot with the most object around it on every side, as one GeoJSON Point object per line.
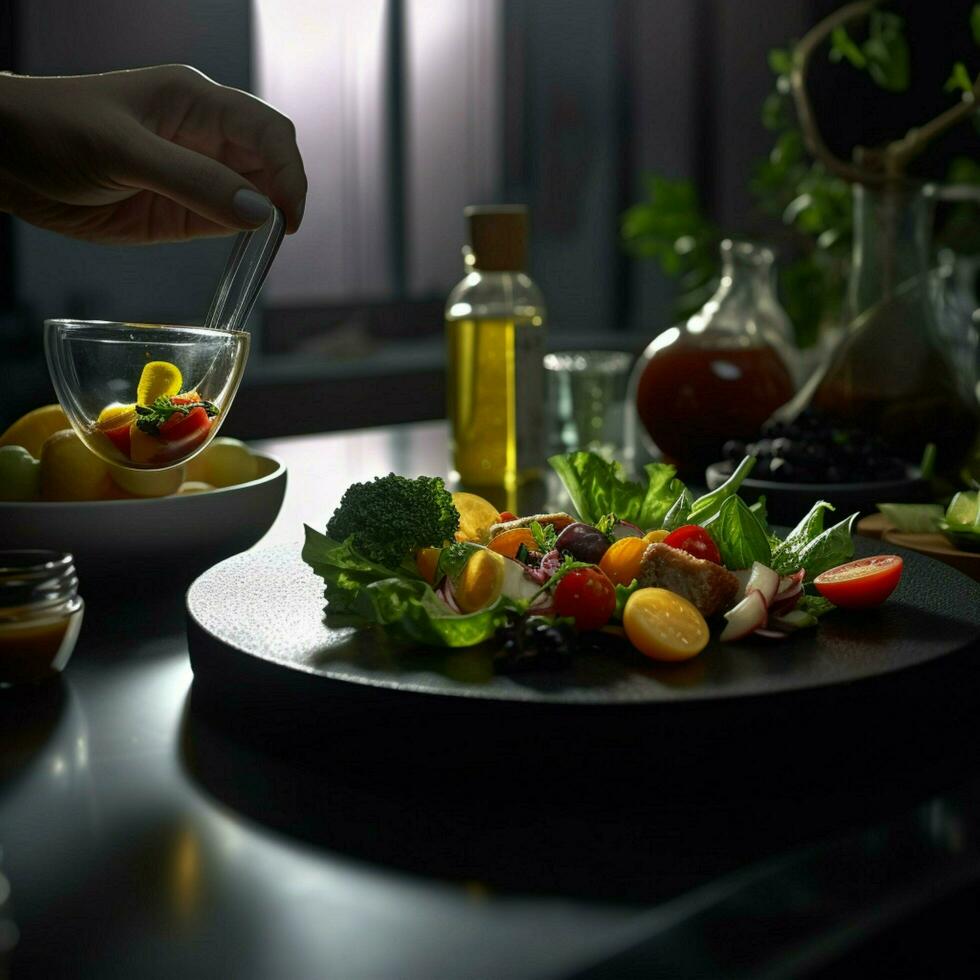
{"type": "Point", "coordinates": [586, 398]}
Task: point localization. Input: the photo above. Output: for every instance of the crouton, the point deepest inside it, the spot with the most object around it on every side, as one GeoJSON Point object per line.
{"type": "Point", "coordinates": [558, 521]}
{"type": "Point", "coordinates": [710, 587]}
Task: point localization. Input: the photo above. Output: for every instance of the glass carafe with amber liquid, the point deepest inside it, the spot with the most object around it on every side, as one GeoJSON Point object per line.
{"type": "Point", "coordinates": [495, 351]}
{"type": "Point", "coordinates": [892, 372]}
{"type": "Point", "coordinates": [722, 373]}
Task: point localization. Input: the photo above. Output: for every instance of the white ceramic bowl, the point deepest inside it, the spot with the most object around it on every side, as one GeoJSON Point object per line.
{"type": "Point", "coordinates": [126, 539]}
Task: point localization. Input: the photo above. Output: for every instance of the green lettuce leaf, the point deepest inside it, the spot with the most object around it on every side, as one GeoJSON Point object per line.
{"type": "Point", "coordinates": [346, 571]}
{"type": "Point", "coordinates": [677, 515]}
{"type": "Point", "coordinates": [598, 487]}
{"type": "Point", "coordinates": [740, 536]}
{"type": "Point", "coordinates": [396, 598]}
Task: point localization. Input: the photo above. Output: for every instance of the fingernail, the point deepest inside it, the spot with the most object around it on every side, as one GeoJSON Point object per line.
{"type": "Point", "coordinates": [251, 206]}
{"type": "Point", "coordinates": [299, 212]}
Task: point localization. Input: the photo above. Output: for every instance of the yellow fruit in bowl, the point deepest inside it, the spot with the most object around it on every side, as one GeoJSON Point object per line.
{"type": "Point", "coordinates": [71, 471]}
{"type": "Point", "coordinates": [194, 486]}
{"type": "Point", "coordinates": [20, 474]}
{"type": "Point", "coordinates": [32, 429]}
{"type": "Point", "coordinates": [147, 483]}
{"type": "Point", "coordinates": [224, 463]}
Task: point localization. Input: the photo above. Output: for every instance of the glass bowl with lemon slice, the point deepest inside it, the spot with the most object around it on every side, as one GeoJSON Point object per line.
{"type": "Point", "coordinates": [144, 396]}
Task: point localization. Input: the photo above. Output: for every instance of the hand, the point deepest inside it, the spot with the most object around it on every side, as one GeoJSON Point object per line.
{"type": "Point", "coordinates": [147, 155]}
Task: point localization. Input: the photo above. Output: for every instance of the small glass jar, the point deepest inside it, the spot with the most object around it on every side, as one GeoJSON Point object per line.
{"type": "Point", "coordinates": [40, 615]}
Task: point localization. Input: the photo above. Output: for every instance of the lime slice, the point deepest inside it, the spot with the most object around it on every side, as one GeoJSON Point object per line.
{"type": "Point", "coordinates": [963, 508]}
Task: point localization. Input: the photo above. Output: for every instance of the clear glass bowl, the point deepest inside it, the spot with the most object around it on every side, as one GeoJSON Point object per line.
{"type": "Point", "coordinates": [146, 396]}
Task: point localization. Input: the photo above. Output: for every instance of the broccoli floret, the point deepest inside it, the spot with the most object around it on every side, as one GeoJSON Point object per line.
{"type": "Point", "coordinates": [392, 516]}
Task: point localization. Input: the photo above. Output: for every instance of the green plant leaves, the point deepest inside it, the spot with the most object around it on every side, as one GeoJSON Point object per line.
{"type": "Point", "coordinates": [959, 79]}
{"type": "Point", "coordinates": [842, 48]}
{"type": "Point", "coordinates": [884, 54]}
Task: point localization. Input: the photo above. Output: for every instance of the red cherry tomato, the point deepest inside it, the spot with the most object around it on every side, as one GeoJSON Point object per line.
{"type": "Point", "coordinates": [505, 516]}
{"type": "Point", "coordinates": [121, 438]}
{"type": "Point", "coordinates": [588, 596]}
{"type": "Point", "coordinates": [182, 433]}
{"type": "Point", "coordinates": [695, 541]}
{"type": "Point", "coordinates": [861, 583]}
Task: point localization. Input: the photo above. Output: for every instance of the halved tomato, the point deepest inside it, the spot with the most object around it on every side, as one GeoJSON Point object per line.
{"type": "Point", "coordinates": [695, 541]}
{"type": "Point", "coordinates": [861, 583]}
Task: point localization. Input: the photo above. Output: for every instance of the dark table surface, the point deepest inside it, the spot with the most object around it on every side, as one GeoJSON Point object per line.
{"type": "Point", "coordinates": [152, 828]}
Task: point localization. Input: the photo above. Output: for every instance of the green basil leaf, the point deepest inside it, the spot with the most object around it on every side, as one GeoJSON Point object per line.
{"type": "Point", "coordinates": [827, 550]}
{"type": "Point", "coordinates": [786, 556]}
{"type": "Point", "coordinates": [740, 537]}
{"type": "Point", "coordinates": [705, 508]}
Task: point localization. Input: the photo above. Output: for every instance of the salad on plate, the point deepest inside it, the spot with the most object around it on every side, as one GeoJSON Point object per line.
{"type": "Point", "coordinates": [644, 563]}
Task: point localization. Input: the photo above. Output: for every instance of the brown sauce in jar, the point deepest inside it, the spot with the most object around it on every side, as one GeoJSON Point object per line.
{"type": "Point", "coordinates": [691, 400]}
{"type": "Point", "coordinates": [29, 650]}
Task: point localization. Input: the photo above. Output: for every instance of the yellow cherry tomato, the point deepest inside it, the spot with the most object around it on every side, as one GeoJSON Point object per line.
{"type": "Point", "coordinates": [621, 562]}
{"type": "Point", "coordinates": [480, 582]}
{"type": "Point", "coordinates": [476, 516]}
{"type": "Point", "coordinates": [653, 537]}
{"type": "Point", "coordinates": [143, 448]}
{"type": "Point", "coordinates": [115, 415]}
{"type": "Point", "coordinates": [664, 625]}
{"type": "Point", "coordinates": [426, 560]}
{"type": "Point", "coordinates": [158, 378]}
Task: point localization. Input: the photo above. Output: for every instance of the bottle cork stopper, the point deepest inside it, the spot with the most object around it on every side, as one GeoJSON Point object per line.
{"type": "Point", "coordinates": [498, 236]}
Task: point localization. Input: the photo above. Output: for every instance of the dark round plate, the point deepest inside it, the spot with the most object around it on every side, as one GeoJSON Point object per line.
{"type": "Point", "coordinates": [786, 503]}
{"type": "Point", "coordinates": [259, 615]}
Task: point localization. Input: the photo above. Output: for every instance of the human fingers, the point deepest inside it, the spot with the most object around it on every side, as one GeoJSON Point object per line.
{"type": "Point", "coordinates": [193, 180]}
{"type": "Point", "coordinates": [270, 138]}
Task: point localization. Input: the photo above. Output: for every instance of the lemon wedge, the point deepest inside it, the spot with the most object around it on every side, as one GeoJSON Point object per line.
{"type": "Point", "coordinates": [476, 516]}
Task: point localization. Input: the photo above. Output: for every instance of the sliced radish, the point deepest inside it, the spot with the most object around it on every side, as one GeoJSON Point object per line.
{"type": "Point", "coordinates": [794, 620]}
{"type": "Point", "coordinates": [785, 603]}
{"type": "Point", "coordinates": [788, 581]}
{"type": "Point", "coordinates": [743, 575]}
{"type": "Point", "coordinates": [748, 616]}
{"type": "Point", "coordinates": [445, 592]}
{"type": "Point", "coordinates": [764, 580]}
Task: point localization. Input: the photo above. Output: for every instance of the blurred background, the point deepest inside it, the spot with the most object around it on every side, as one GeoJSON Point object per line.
{"type": "Point", "coordinates": [638, 133]}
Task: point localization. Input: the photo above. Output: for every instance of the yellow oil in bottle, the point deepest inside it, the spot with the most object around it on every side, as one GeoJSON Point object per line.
{"type": "Point", "coordinates": [495, 398]}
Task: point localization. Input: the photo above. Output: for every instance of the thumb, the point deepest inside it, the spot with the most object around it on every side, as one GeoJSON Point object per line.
{"type": "Point", "coordinates": [194, 181]}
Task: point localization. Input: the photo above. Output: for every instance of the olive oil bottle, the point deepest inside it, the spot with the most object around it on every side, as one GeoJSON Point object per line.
{"type": "Point", "coordinates": [495, 349]}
